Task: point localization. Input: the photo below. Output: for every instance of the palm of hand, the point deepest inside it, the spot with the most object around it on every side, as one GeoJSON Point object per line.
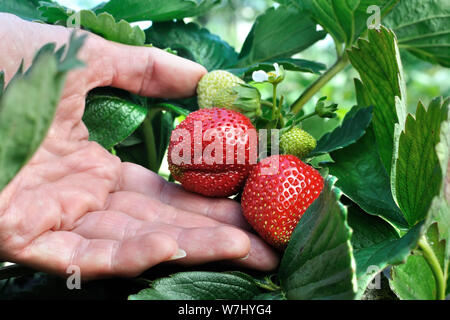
{"type": "Point", "coordinates": [76, 204]}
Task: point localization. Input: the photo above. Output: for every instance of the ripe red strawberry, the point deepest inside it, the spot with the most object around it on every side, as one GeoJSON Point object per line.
{"type": "Point", "coordinates": [212, 152]}
{"type": "Point", "coordinates": [274, 203]}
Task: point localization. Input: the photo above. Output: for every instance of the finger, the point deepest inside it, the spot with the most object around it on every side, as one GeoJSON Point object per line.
{"type": "Point", "coordinates": [139, 206]}
{"type": "Point", "coordinates": [143, 70]}
{"type": "Point", "coordinates": [213, 244]}
{"type": "Point", "coordinates": [147, 209]}
{"type": "Point", "coordinates": [54, 252]}
{"type": "Point", "coordinates": [147, 71]}
{"type": "Point", "coordinates": [260, 257]}
{"type": "Point", "coordinates": [138, 179]}
{"type": "Point", "coordinates": [202, 244]}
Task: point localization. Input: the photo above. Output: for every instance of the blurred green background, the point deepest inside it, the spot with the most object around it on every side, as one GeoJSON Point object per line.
{"type": "Point", "coordinates": [233, 19]}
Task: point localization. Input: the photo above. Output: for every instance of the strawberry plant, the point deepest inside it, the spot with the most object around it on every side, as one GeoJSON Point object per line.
{"type": "Point", "coordinates": [348, 204]}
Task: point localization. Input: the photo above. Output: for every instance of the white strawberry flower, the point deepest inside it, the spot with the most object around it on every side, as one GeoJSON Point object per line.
{"type": "Point", "coordinates": [273, 76]}
{"type": "Point", "coordinates": [260, 76]}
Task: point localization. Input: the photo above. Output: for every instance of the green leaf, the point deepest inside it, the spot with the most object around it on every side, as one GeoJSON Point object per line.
{"type": "Point", "coordinates": [344, 20]}
{"type": "Point", "coordinates": [162, 124]}
{"type": "Point", "coordinates": [26, 118]}
{"type": "Point", "coordinates": [440, 213]}
{"type": "Point", "coordinates": [174, 108]}
{"type": "Point", "coordinates": [372, 259]}
{"type": "Point", "coordinates": [111, 120]}
{"type": "Point", "coordinates": [417, 175]}
{"type": "Point", "coordinates": [318, 127]}
{"type": "Point", "coordinates": [404, 280]}
{"type": "Point", "coordinates": [377, 245]}
{"type": "Point", "coordinates": [272, 295]}
{"type": "Point", "coordinates": [415, 278]}
{"type": "Point", "coordinates": [362, 178]}
{"type": "Point", "coordinates": [378, 62]}
{"type": "Point", "coordinates": [443, 152]}
{"type": "Point", "coordinates": [352, 128]}
{"type": "Point", "coordinates": [278, 33]}
{"type": "Point", "coordinates": [189, 104]}
{"type": "Point", "coordinates": [368, 230]}
{"type": "Point", "coordinates": [411, 276]}
{"type": "Point", "coordinates": [102, 24]}
{"type": "Point", "coordinates": [362, 95]}
{"type": "Point", "coordinates": [438, 245]}
{"type": "Point", "coordinates": [440, 208]}
{"type": "Point", "coordinates": [155, 10]}
{"type": "Point", "coordinates": [290, 64]}
{"type": "Point", "coordinates": [53, 12]}
{"type": "Point", "coordinates": [192, 42]}
{"type": "Point", "coordinates": [318, 262]}
{"type": "Point", "coordinates": [426, 138]}
{"type": "Point", "coordinates": [132, 140]}
{"type": "Point", "coordinates": [200, 286]}
{"type": "Point", "coordinates": [26, 9]}
{"type": "Point", "coordinates": [423, 28]}
{"type": "Point", "coordinates": [136, 154]}
{"type": "Point", "coordinates": [69, 59]}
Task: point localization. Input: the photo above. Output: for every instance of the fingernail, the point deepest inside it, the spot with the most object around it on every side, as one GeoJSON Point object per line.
{"type": "Point", "coordinates": [178, 255]}
{"type": "Point", "coordinates": [246, 257]}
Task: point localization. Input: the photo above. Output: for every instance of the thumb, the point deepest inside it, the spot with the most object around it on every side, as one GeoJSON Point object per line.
{"type": "Point", "coordinates": [147, 71]}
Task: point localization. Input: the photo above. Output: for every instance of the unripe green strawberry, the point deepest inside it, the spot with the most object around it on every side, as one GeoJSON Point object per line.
{"type": "Point", "coordinates": [224, 98]}
{"type": "Point", "coordinates": [242, 98]}
{"type": "Point", "coordinates": [212, 83]}
{"type": "Point", "coordinates": [297, 142]}
{"type": "Point", "coordinates": [277, 193]}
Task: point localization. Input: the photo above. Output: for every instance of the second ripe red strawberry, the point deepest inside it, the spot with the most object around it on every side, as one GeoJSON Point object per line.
{"type": "Point", "coordinates": [276, 195]}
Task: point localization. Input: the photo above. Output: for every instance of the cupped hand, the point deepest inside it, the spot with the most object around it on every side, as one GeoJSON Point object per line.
{"type": "Point", "coordinates": [75, 204]}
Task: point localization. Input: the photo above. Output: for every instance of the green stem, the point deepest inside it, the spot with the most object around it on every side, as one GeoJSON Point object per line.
{"type": "Point", "coordinates": [267, 103]}
{"type": "Point", "coordinates": [307, 116]}
{"type": "Point", "coordinates": [269, 287]}
{"type": "Point", "coordinates": [280, 104]}
{"type": "Point", "coordinates": [274, 101]}
{"type": "Point", "coordinates": [435, 266]}
{"type": "Point", "coordinates": [338, 66]}
{"type": "Point", "coordinates": [280, 115]}
{"type": "Point", "coordinates": [268, 284]}
{"type": "Point", "coordinates": [339, 47]}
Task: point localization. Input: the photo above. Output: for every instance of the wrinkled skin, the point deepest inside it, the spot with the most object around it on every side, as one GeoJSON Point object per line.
{"type": "Point", "coordinates": [76, 204]}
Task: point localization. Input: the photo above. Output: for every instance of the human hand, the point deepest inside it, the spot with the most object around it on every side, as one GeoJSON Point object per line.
{"type": "Point", "coordinates": [76, 204]}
